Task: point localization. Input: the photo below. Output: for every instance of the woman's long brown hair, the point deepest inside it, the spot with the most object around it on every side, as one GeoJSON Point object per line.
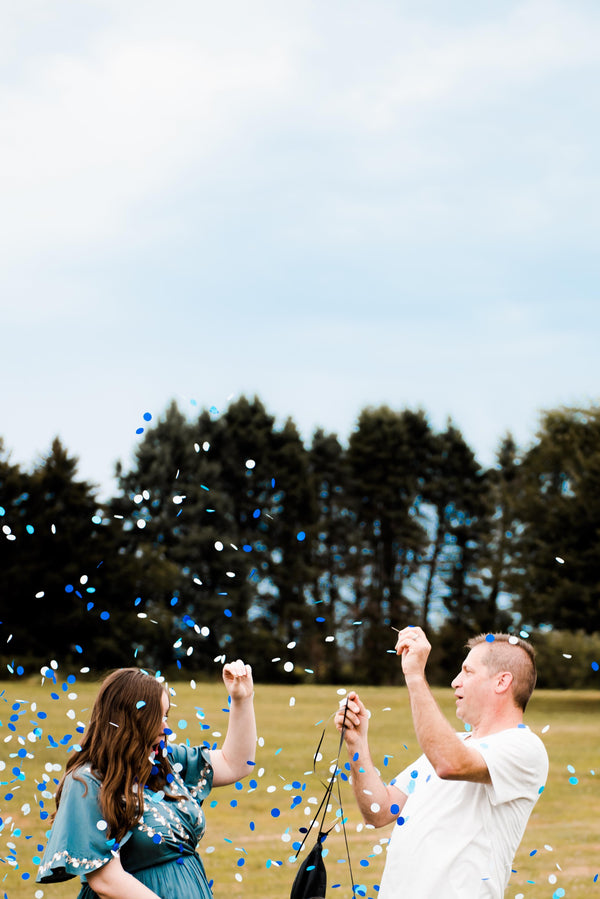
{"type": "Point", "coordinates": [117, 744]}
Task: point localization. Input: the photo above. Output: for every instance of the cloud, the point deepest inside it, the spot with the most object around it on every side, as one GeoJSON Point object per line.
{"type": "Point", "coordinates": [138, 101]}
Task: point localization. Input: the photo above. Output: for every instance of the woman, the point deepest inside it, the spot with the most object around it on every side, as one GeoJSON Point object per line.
{"type": "Point", "coordinates": [129, 808]}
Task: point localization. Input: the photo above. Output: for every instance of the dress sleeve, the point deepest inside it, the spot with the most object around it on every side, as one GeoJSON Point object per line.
{"type": "Point", "coordinates": [78, 841]}
{"type": "Point", "coordinates": [192, 763]}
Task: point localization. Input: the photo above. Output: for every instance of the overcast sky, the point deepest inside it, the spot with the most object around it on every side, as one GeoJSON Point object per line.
{"type": "Point", "coordinates": [328, 204]}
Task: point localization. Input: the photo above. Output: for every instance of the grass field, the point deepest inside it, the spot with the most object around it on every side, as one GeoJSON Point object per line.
{"type": "Point", "coordinates": [247, 845]}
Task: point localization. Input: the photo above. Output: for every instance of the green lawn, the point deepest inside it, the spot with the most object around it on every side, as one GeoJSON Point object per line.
{"type": "Point", "coordinates": [560, 850]}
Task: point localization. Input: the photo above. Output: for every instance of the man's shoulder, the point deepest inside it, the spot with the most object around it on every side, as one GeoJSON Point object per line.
{"type": "Point", "coordinates": [519, 741]}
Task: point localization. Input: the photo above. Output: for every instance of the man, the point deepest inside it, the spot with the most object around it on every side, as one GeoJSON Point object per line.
{"type": "Point", "coordinates": [461, 809]}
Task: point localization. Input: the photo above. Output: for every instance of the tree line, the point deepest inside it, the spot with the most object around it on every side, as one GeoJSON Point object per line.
{"type": "Point", "coordinates": [229, 535]}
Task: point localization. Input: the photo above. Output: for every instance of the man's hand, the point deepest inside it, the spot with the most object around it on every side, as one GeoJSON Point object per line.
{"type": "Point", "coordinates": [356, 721]}
{"type": "Point", "coordinates": [414, 647]}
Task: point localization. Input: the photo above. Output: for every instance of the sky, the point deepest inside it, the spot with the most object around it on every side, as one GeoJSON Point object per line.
{"type": "Point", "coordinates": [329, 205]}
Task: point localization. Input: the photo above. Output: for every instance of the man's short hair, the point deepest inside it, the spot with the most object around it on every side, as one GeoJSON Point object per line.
{"type": "Point", "coordinates": [509, 653]}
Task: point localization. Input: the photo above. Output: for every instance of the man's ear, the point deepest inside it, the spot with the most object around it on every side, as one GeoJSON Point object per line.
{"type": "Point", "coordinates": [504, 681]}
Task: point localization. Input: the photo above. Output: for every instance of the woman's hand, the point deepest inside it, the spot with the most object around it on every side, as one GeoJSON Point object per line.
{"type": "Point", "coordinates": [236, 758]}
{"type": "Point", "coordinates": [237, 678]}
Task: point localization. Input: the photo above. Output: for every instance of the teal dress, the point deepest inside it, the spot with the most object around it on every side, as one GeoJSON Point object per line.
{"type": "Point", "coordinates": [160, 850]}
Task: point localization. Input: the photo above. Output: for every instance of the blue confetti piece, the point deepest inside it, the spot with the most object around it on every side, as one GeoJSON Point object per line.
{"type": "Point", "coordinates": [139, 430]}
{"type": "Point", "coordinates": [228, 613]}
{"type": "Point", "coordinates": [300, 536]}
{"type": "Point", "coordinates": [490, 638]}
{"type": "Point", "coordinates": [140, 704]}
{"type": "Point", "coordinates": [147, 416]}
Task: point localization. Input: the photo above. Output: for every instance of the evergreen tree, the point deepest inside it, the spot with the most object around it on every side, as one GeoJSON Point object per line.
{"type": "Point", "coordinates": [62, 574]}
{"type": "Point", "coordinates": [388, 454]}
{"type": "Point", "coordinates": [334, 556]}
{"type": "Point", "coordinates": [455, 493]}
{"type": "Point", "coordinates": [497, 560]}
{"type": "Point", "coordinates": [557, 575]}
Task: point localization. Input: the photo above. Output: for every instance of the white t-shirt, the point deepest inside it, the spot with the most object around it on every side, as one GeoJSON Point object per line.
{"type": "Point", "coordinates": [457, 839]}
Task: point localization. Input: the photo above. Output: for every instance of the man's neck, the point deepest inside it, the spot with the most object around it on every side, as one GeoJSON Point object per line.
{"type": "Point", "coordinates": [496, 723]}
